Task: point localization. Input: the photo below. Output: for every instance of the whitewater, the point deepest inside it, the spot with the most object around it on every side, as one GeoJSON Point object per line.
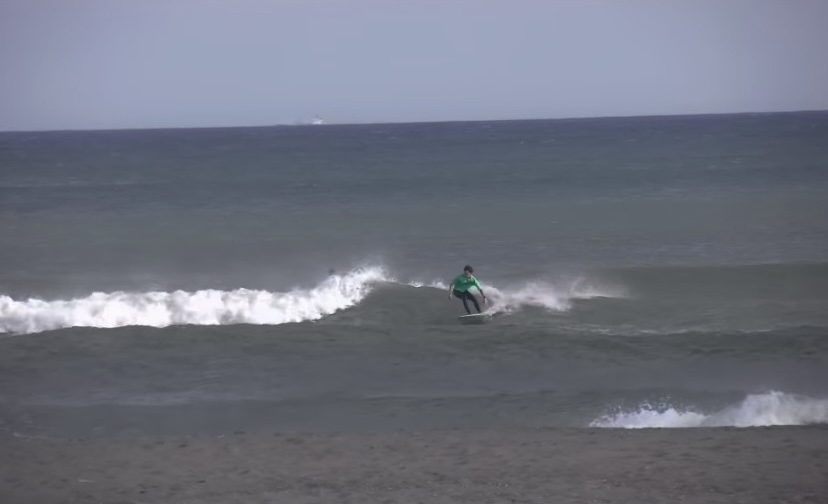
{"type": "Point", "coordinates": [755, 410]}
{"type": "Point", "coordinates": [203, 307]}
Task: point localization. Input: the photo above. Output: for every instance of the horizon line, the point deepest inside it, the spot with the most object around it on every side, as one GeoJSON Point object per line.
{"type": "Point", "coordinates": [422, 122]}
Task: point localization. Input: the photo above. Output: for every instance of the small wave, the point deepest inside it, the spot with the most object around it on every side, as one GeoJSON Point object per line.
{"type": "Point", "coordinates": [203, 307]}
{"type": "Point", "coordinates": [756, 410]}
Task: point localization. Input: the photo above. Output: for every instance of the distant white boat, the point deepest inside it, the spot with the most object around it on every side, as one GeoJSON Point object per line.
{"type": "Point", "coordinates": [316, 121]}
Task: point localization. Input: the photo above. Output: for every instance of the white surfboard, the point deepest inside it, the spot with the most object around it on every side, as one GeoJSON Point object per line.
{"type": "Point", "coordinates": [475, 318]}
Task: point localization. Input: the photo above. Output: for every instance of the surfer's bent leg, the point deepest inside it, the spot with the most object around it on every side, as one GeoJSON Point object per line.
{"type": "Point", "coordinates": [474, 300]}
{"type": "Point", "coordinates": [465, 297]}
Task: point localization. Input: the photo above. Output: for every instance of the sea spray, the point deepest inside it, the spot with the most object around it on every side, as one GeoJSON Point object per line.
{"type": "Point", "coordinates": [554, 296]}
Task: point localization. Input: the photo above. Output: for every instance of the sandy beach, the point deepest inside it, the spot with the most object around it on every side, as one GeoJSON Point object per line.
{"type": "Point", "coordinates": [723, 465]}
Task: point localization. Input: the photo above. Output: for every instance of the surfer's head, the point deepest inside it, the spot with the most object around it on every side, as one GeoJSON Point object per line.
{"type": "Point", "coordinates": [468, 269]}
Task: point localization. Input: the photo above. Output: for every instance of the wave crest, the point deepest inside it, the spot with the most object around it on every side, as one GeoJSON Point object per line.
{"type": "Point", "coordinates": [203, 307]}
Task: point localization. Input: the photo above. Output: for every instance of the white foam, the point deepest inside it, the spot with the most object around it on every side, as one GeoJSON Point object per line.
{"type": "Point", "coordinates": [204, 307]}
{"type": "Point", "coordinates": [556, 296]}
{"type": "Point", "coordinates": [551, 296]}
{"type": "Point", "coordinates": [434, 284]}
{"type": "Point", "coordinates": [771, 408]}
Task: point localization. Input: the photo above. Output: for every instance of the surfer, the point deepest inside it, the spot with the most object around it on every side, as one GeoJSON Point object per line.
{"type": "Point", "coordinates": [460, 286]}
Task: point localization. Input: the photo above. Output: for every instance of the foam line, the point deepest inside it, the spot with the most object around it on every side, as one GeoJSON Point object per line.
{"type": "Point", "coordinates": [771, 408]}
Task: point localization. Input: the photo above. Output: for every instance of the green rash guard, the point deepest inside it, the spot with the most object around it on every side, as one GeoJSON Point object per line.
{"type": "Point", "coordinates": [463, 283]}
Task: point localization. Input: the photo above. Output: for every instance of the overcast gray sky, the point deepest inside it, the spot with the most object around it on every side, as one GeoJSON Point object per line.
{"type": "Point", "coordinates": [179, 63]}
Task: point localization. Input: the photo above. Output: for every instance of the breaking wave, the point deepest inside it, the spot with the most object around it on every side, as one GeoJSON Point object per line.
{"type": "Point", "coordinates": [248, 306]}
{"type": "Point", "coordinates": [203, 307]}
{"type": "Point", "coordinates": [756, 410]}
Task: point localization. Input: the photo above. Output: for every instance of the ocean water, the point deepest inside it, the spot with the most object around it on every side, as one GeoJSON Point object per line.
{"type": "Point", "coordinates": [643, 272]}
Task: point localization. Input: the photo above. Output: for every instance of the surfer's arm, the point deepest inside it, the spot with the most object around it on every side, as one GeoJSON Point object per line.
{"type": "Point", "coordinates": [479, 288]}
{"type": "Point", "coordinates": [451, 287]}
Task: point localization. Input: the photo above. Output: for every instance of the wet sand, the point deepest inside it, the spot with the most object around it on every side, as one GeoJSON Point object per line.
{"type": "Point", "coordinates": [705, 466]}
